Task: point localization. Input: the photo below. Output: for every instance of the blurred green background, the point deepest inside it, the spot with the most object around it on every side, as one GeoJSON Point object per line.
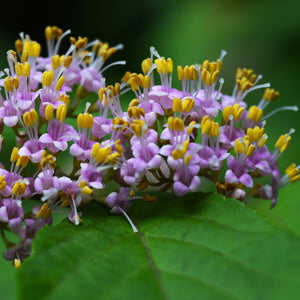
{"type": "Point", "coordinates": [260, 34]}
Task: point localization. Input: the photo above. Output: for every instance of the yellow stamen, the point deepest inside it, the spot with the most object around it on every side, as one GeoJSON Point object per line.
{"type": "Point", "coordinates": [283, 142]}
{"type": "Point", "coordinates": [146, 65]}
{"type": "Point", "coordinates": [14, 154]}
{"type": "Point", "coordinates": [255, 113]}
{"type": "Point", "coordinates": [255, 134]}
{"type": "Point", "coordinates": [149, 198]}
{"type": "Point", "coordinates": [17, 263]}
{"type": "Point", "coordinates": [44, 212]}
{"type": "Point", "coordinates": [60, 83]}
{"type": "Point", "coordinates": [61, 112]}
{"type": "Point", "coordinates": [139, 127]}
{"type": "Point", "coordinates": [49, 112]}
{"type": "Point", "coordinates": [18, 188]}
{"type": "Point", "coordinates": [85, 120]}
{"type": "Point", "coordinates": [293, 172]}
{"type": "Point", "coordinates": [22, 161]}
{"type": "Point", "coordinates": [47, 78]}
{"type": "Point", "coordinates": [177, 105]}
{"type": "Point", "coordinates": [270, 94]}
{"type": "Point", "coordinates": [206, 124]}
{"type": "Point", "coordinates": [2, 182]}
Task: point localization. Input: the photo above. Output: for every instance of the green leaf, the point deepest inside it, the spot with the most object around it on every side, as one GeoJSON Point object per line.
{"type": "Point", "coordinates": [201, 246]}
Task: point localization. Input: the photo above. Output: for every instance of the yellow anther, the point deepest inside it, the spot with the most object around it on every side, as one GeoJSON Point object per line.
{"type": "Point", "coordinates": [61, 112]}
{"type": "Point", "coordinates": [22, 161]}
{"type": "Point", "coordinates": [255, 134]}
{"type": "Point", "coordinates": [149, 198]}
{"type": "Point", "coordinates": [139, 127]}
{"type": "Point", "coordinates": [2, 182]}
{"type": "Point", "coordinates": [44, 212]}
{"type": "Point", "coordinates": [187, 159]}
{"type": "Point", "coordinates": [243, 84]}
{"type": "Point", "coordinates": [56, 61]}
{"type": "Point", "coordinates": [95, 149]}
{"type": "Point", "coordinates": [82, 184]}
{"type": "Point", "coordinates": [177, 105]}
{"type": "Point", "coordinates": [17, 263]}
{"type": "Point", "coordinates": [102, 154]}
{"type": "Point", "coordinates": [255, 113]}
{"type": "Point", "coordinates": [219, 64]}
{"type": "Point", "coordinates": [112, 158]}
{"type": "Point", "coordinates": [180, 152]}
{"type": "Point", "coordinates": [118, 146]}
{"type": "Point", "coordinates": [48, 32]}
{"type": "Point", "coordinates": [270, 94]}
{"type": "Point", "coordinates": [186, 72]}
{"type": "Point", "coordinates": [178, 124]}
{"type": "Point", "coordinates": [243, 146]}
{"type": "Point", "coordinates": [214, 76]}
{"type": "Point", "coordinates": [135, 112]}
{"type": "Point", "coordinates": [49, 112]}
{"type": "Point", "coordinates": [164, 66]}
{"type": "Point", "coordinates": [191, 127]}
{"type": "Point", "coordinates": [206, 64]}
{"type": "Point", "coordinates": [47, 78]}
{"type": "Point", "coordinates": [30, 118]}
{"type": "Point", "coordinates": [60, 83]}
{"type": "Point", "coordinates": [126, 77]}
{"type": "Point", "coordinates": [80, 43]}
{"type": "Point", "coordinates": [293, 172]}
{"type": "Point", "coordinates": [146, 65]}
{"type": "Point", "coordinates": [170, 65]}
{"type": "Point", "coordinates": [88, 121]}
{"type": "Point", "coordinates": [31, 48]}
{"type": "Point", "coordinates": [283, 142]}
{"type": "Point", "coordinates": [86, 190]}
{"type": "Point", "coordinates": [65, 99]}
{"type": "Point", "coordinates": [19, 45]}
{"type": "Point", "coordinates": [206, 124]}
{"type": "Point", "coordinates": [188, 104]}
{"type": "Point", "coordinates": [214, 128]}
{"type": "Point", "coordinates": [134, 102]}
{"type": "Point", "coordinates": [68, 61]}
{"type": "Point", "coordinates": [180, 72]}
{"type": "Point", "coordinates": [132, 193]}
{"type": "Point", "coordinates": [18, 188]}
{"type": "Point", "coordinates": [253, 78]}
{"type": "Point", "coordinates": [14, 154]}
{"type": "Point", "coordinates": [48, 160]}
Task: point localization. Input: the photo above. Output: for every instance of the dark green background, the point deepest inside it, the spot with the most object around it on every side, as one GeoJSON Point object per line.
{"type": "Point", "coordinates": [262, 35]}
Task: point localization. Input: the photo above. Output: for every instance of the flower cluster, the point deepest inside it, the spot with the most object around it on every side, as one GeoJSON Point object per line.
{"type": "Point", "coordinates": [167, 139]}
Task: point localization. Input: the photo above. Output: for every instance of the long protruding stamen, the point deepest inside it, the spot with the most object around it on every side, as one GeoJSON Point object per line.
{"type": "Point", "coordinates": [128, 219]}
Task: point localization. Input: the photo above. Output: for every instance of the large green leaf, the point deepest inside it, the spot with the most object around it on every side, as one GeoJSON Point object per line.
{"type": "Point", "coordinates": [201, 245]}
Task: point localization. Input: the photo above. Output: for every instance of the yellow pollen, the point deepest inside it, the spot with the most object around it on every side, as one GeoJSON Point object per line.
{"type": "Point", "coordinates": [2, 182]}
{"type": "Point", "coordinates": [44, 212]}
{"type": "Point", "coordinates": [65, 99]}
{"type": "Point", "coordinates": [14, 154]}
{"type": "Point", "coordinates": [18, 188]}
{"type": "Point", "coordinates": [30, 118]}
{"type": "Point", "coordinates": [102, 154]}
{"type": "Point", "coordinates": [164, 66]}
{"type": "Point", "coordinates": [47, 78]}
{"type": "Point", "coordinates": [132, 193]}
{"type": "Point", "coordinates": [283, 142]}
{"type": "Point", "coordinates": [17, 263]}
{"type": "Point", "coordinates": [22, 161]}
{"type": "Point", "coordinates": [85, 120]}
{"type": "Point", "coordinates": [255, 134]}
{"type": "Point", "coordinates": [86, 190]}
{"type": "Point", "coordinates": [149, 198]}
{"type": "Point", "coordinates": [180, 152]}
{"type": "Point", "coordinates": [49, 112]}
{"type": "Point", "coordinates": [270, 94]}
{"type": "Point", "coordinates": [187, 159]}
{"type": "Point", "coordinates": [135, 112]}
{"type": "Point", "coordinates": [95, 149]}
{"type": "Point", "coordinates": [112, 158]}
{"type": "Point", "coordinates": [206, 124]}
{"type": "Point", "coordinates": [243, 146]}
{"type": "Point", "coordinates": [60, 83]}
{"type": "Point", "coordinates": [56, 61]}
{"type": "Point", "coordinates": [146, 65]}
{"type": "Point", "coordinates": [255, 113]}
{"type": "Point", "coordinates": [188, 104]}
{"type": "Point", "coordinates": [61, 112]}
{"type": "Point", "coordinates": [293, 172]}
{"type": "Point", "coordinates": [118, 146]}
{"type": "Point", "coordinates": [139, 127]}
{"type": "Point", "coordinates": [134, 102]}
{"type": "Point", "coordinates": [177, 105]}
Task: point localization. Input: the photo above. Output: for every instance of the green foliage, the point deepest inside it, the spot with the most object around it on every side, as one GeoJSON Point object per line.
{"type": "Point", "coordinates": [198, 247]}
